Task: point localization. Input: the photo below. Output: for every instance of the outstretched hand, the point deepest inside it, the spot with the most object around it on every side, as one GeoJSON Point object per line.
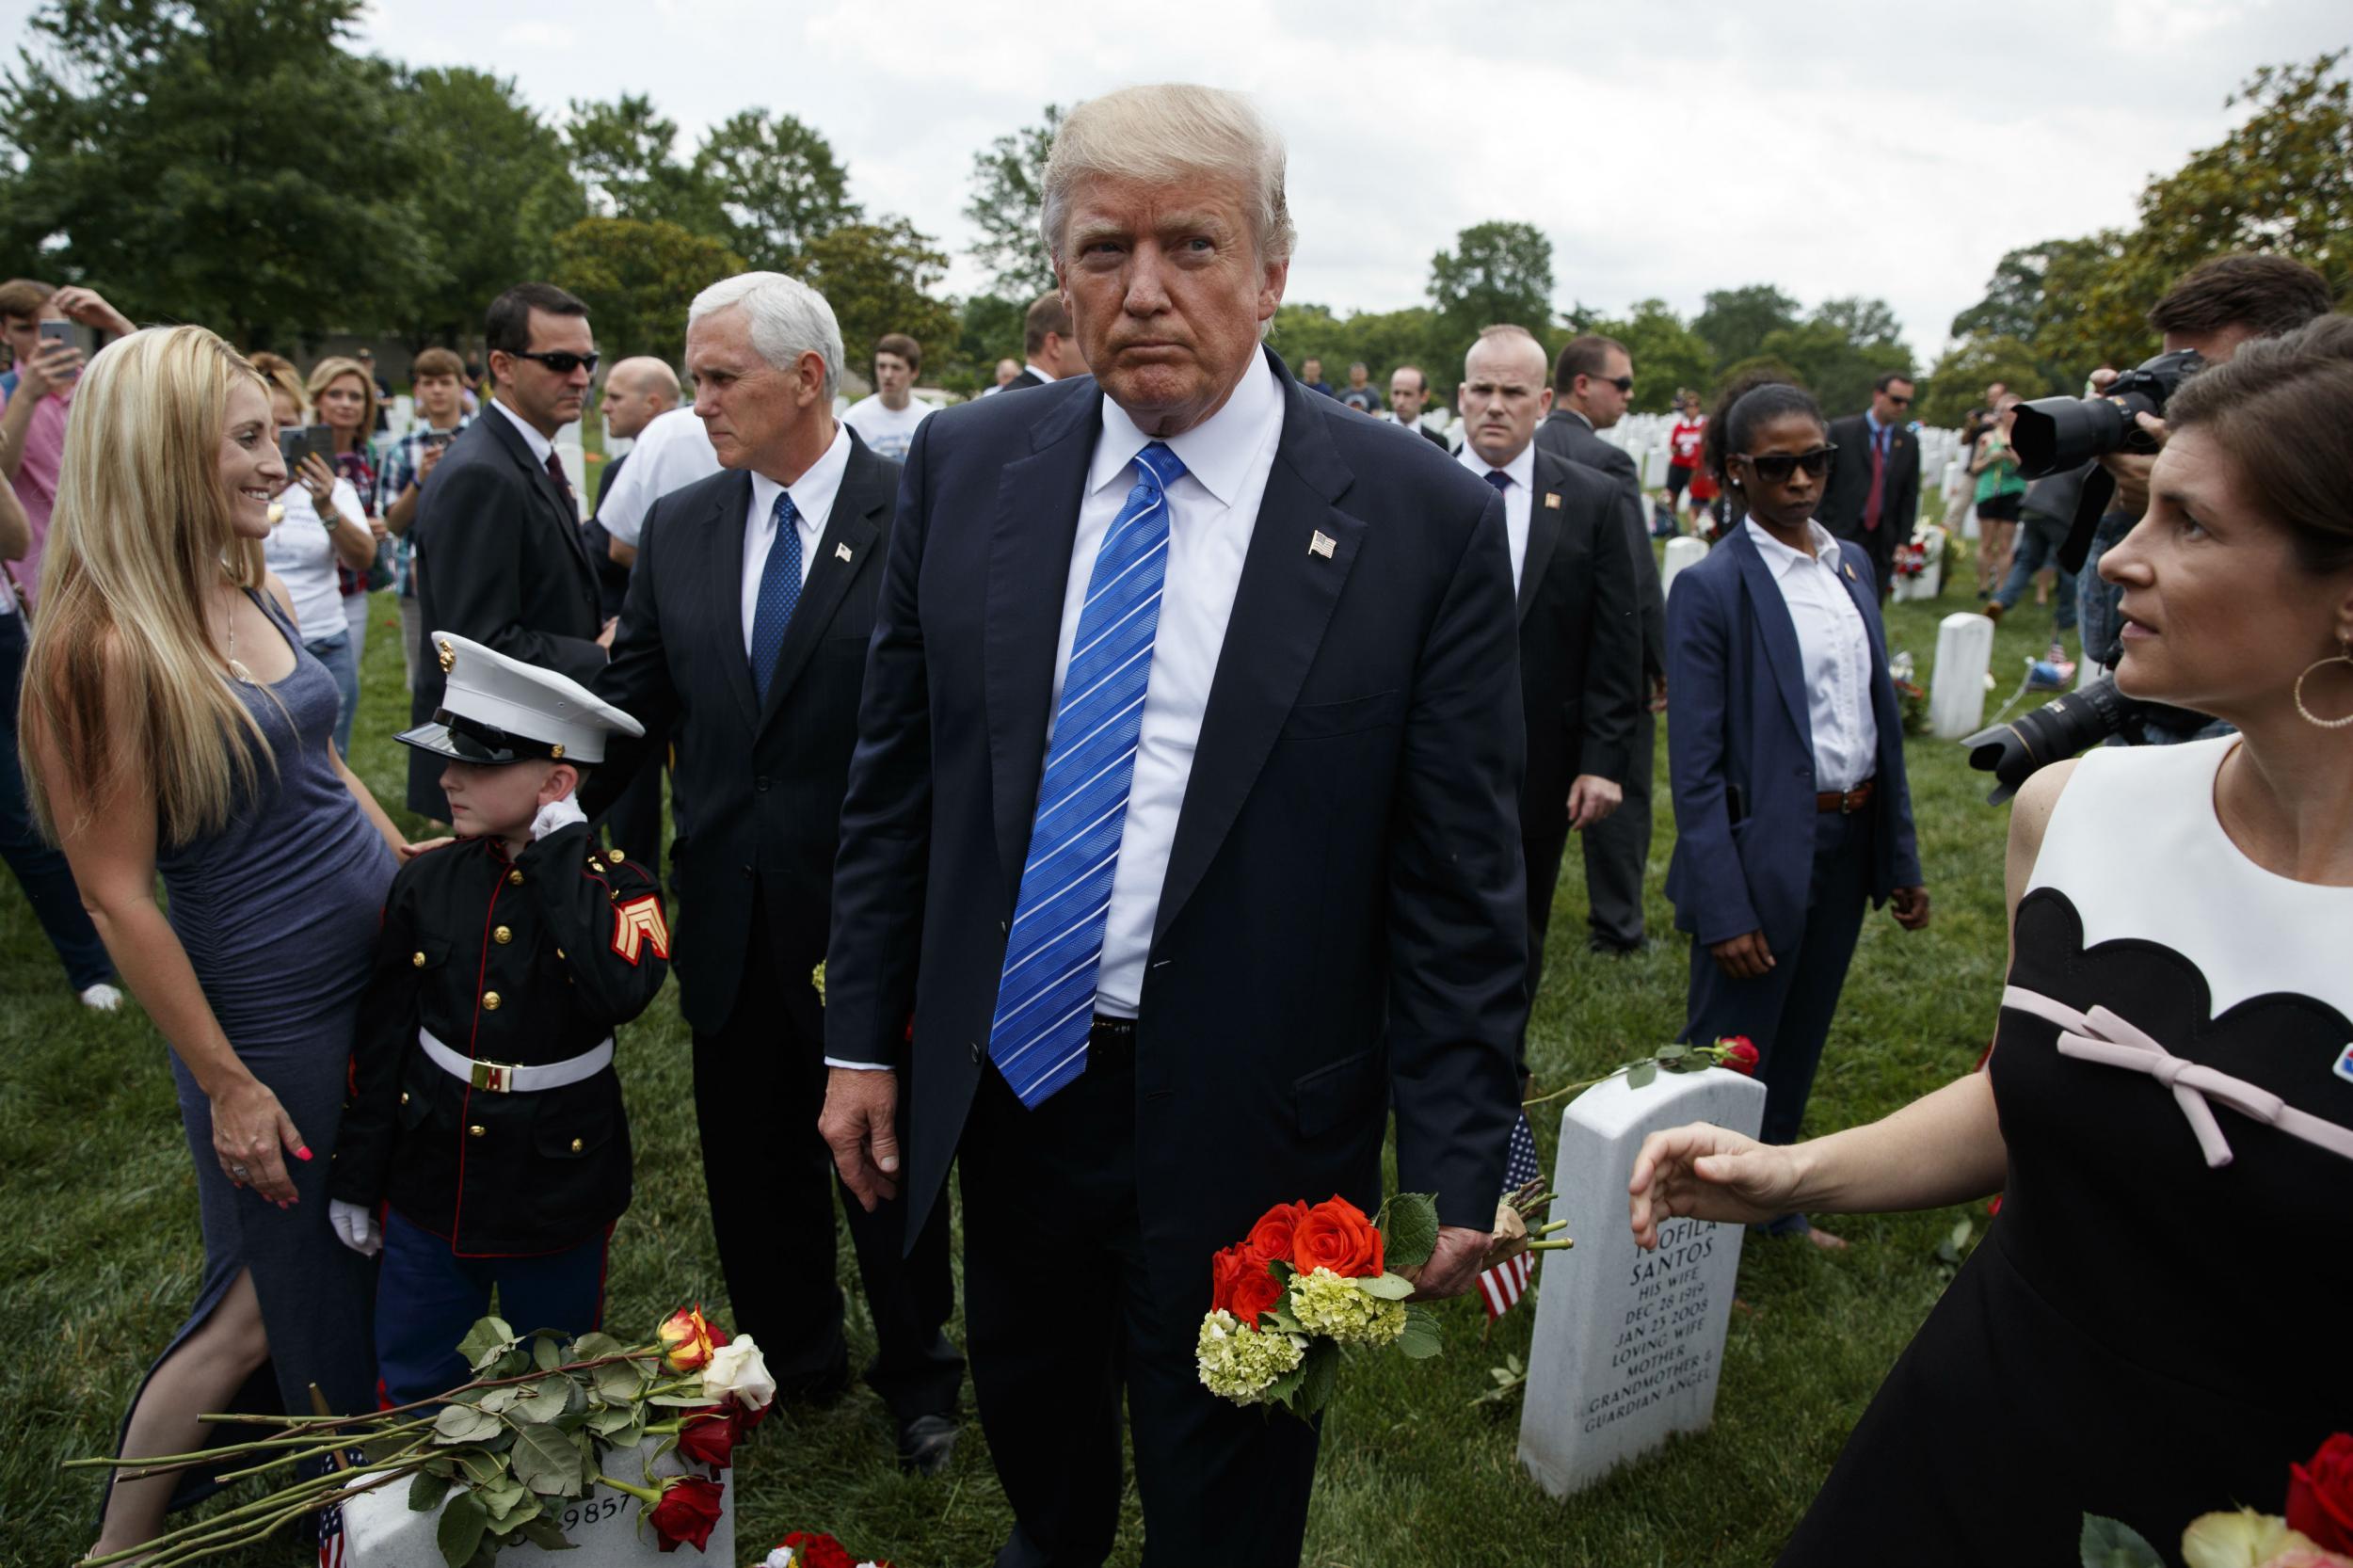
{"type": "Point", "coordinates": [860, 1125]}
{"type": "Point", "coordinates": [1708, 1173]}
{"type": "Point", "coordinates": [1453, 1266]}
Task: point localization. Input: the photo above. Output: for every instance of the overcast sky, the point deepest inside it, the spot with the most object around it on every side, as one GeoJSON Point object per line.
{"type": "Point", "coordinates": [1835, 149]}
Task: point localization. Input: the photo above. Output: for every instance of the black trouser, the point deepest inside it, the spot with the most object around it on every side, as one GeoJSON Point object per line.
{"type": "Point", "coordinates": [1541, 853]}
{"type": "Point", "coordinates": [758, 1087]}
{"type": "Point", "coordinates": [1617, 848]}
{"type": "Point", "coordinates": [1061, 1313]}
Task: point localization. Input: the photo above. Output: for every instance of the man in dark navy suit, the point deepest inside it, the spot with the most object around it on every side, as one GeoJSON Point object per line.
{"type": "Point", "coordinates": [743, 645]}
{"type": "Point", "coordinates": [1185, 817]}
{"type": "Point", "coordinates": [499, 556]}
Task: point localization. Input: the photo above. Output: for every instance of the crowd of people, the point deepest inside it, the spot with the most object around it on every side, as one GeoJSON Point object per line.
{"type": "Point", "coordinates": [1132, 791]}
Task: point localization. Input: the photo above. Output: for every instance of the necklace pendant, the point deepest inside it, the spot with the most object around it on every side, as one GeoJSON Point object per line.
{"type": "Point", "coordinates": [236, 668]}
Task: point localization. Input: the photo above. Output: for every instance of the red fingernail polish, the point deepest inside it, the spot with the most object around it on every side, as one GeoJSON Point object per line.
{"type": "Point", "coordinates": [302, 1153]}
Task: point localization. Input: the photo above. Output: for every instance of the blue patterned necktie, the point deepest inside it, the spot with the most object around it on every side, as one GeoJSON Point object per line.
{"type": "Point", "coordinates": [779, 591]}
{"type": "Point", "coordinates": [1045, 998]}
{"type": "Point", "coordinates": [1499, 479]}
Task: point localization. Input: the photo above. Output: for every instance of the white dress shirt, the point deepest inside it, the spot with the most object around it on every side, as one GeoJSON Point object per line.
{"type": "Point", "coordinates": [672, 450]}
{"type": "Point", "coordinates": [1521, 470]}
{"type": "Point", "coordinates": [812, 496]}
{"type": "Point", "coordinates": [1042, 373]}
{"type": "Point", "coordinates": [1211, 511]}
{"type": "Point", "coordinates": [1834, 650]}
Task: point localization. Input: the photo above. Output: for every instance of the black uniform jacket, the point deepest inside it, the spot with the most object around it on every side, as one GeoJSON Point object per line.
{"type": "Point", "coordinates": [526, 963]}
{"type": "Point", "coordinates": [1580, 637]}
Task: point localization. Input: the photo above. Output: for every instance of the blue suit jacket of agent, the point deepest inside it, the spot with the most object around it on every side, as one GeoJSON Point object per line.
{"type": "Point", "coordinates": [1740, 750]}
{"type": "Point", "coordinates": [1343, 919]}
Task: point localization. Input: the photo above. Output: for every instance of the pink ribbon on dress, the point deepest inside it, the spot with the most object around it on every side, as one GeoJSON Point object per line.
{"type": "Point", "coordinates": [2101, 1036]}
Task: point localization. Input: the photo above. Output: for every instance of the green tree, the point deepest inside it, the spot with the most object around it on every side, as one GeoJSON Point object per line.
{"type": "Point", "coordinates": [637, 277]}
{"type": "Point", "coordinates": [624, 155]}
{"type": "Point", "coordinates": [210, 161]}
{"type": "Point", "coordinates": [484, 223]}
{"type": "Point", "coordinates": [988, 328]}
{"type": "Point", "coordinates": [878, 277]}
{"type": "Point", "coordinates": [1666, 354]}
{"type": "Point", "coordinates": [1968, 367]}
{"type": "Point", "coordinates": [1840, 349]}
{"type": "Point", "coordinates": [780, 184]}
{"type": "Point", "coordinates": [1496, 272]}
{"type": "Point", "coordinates": [1008, 192]}
{"type": "Point", "coordinates": [1734, 323]}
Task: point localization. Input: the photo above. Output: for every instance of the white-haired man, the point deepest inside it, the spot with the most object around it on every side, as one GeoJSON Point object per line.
{"type": "Point", "coordinates": [742, 645]}
{"type": "Point", "coordinates": [1187, 768]}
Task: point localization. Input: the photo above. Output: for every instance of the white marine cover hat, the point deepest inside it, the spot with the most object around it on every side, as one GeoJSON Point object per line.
{"type": "Point", "coordinates": [497, 709]}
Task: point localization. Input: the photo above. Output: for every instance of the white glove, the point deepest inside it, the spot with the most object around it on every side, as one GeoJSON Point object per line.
{"type": "Point", "coordinates": [556, 814]}
{"type": "Point", "coordinates": [355, 1227]}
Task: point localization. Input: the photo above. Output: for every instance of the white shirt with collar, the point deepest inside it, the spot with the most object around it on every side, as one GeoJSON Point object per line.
{"type": "Point", "coordinates": [1040, 372]}
{"type": "Point", "coordinates": [812, 496]}
{"type": "Point", "coordinates": [1213, 510]}
{"type": "Point", "coordinates": [1517, 495]}
{"type": "Point", "coordinates": [1835, 650]}
{"type": "Point", "coordinates": [541, 447]}
{"type": "Point", "coordinates": [672, 450]}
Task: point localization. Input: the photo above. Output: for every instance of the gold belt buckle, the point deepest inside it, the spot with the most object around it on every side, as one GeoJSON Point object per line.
{"type": "Point", "coordinates": [496, 1077]}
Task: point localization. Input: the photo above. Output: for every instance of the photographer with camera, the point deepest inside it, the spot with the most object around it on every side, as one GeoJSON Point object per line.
{"type": "Point", "coordinates": [2167, 1092]}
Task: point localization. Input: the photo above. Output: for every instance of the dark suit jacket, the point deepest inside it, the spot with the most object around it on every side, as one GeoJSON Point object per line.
{"type": "Point", "coordinates": [1422, 430]}
{"type": "Point", "coordinates": [757, 797]}
{"type": "Point", "coordinates": [1342, 920]}
{"type": "Point", "coordinates": [499, 559]}
{"type": "Point", "coordinates": [1848, 490]}
{"type": "Point", "coordinates": [1581, 639]}
{"type": "Point", "coordinates": [1565, 434]}
{"type": "Point", "coordinates": [1740, 751]}
{"type": "Point", "coordinates": [1027, 378]}
{"type": "Point", "coordinates": [612, 577]}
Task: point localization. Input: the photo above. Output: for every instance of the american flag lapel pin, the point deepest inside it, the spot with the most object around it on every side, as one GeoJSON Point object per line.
{"type": "Point", "coordinates": [1320, 543]}
{"type": "Point", "coordinates": [1552, 501]}
{"type": "Point", "coordinates": [2344, 1065]}
{"type": "Point", "coordinates": [1849, 569]}
{"type": "Point", "coordinates": [841, 552]}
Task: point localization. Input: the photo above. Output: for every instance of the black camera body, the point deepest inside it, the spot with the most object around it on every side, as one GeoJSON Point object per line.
{"type": "Point", "coordinates": [2054, 434]}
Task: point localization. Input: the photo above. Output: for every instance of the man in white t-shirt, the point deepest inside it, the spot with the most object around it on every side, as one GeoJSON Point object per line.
{"type": "Point", "coordinates": [886, 422]}
{"type": "Point", "coordinates": [671, 452]}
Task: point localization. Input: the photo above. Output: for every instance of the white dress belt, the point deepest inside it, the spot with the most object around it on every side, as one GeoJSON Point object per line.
{"type": "Point", "coordinates": [505, 1078]}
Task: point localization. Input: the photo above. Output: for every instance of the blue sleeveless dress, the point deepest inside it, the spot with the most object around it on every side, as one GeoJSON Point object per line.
{"type": "Point", "coordinates": [278, 913]}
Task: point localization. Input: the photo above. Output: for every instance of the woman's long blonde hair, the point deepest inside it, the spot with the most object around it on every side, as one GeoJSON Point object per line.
{"type": "Point", "coordinates": [122, 680]}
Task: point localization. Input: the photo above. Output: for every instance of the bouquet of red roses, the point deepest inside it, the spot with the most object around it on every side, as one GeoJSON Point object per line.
{"type": "Point", "coordinates": [1306, 1282]}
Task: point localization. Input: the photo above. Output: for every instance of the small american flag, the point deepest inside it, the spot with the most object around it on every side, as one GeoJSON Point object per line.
{"type": "Point", "coordinates": [1502, 1286]}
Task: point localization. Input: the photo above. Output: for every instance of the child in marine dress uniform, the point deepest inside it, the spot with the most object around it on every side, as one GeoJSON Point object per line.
{"type": "Point", "coordinates": [484, 1147]}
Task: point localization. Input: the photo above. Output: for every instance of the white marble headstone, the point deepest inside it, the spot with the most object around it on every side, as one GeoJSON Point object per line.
{"type": "Point", "coordinates": [1682, 553]}
{"type": "Point", "coordinates": [1628, 1343]}
{"type": "Point", "coordinates": [1964, 651]}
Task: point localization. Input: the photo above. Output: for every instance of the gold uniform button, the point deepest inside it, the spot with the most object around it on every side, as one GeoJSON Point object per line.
{"type": "Point", "coordinates": [490, 1000]}
{"type": "Point", "coordinates": [575, 1146]}
{"type": "Point", "coordinates": [614, 855]}
{"type": "Point", "coordinates": [513, 879]}
{"type": "Point", "coordinates": [502, 935]}
{"type": "Point", "coordinates": [418, 961]}
{"type": "Point", "coordinates": [403, 1096]}
{"type": "Point", "coordinates": [474, 1131]}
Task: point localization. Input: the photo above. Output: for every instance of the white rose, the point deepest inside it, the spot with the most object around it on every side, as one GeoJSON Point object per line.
{"type": "Point", "coordinates": [736, 1368]}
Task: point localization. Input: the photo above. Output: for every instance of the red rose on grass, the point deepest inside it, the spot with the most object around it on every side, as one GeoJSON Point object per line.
{"type": "Point", "coordinates": [1271, 1236]}
{"type": "Point", "coordinates": [2320, 1495]}
{"type": "Point", "coordinates": [688, 1509]}
{"type": "Point", "coordinates": [708, 1435]}
{"type": "Point", "coordinates": [1740, 1054]}
{"type": "Point", "coordinates": [1335, 1235]}
{"type": "Point", "coordinates": [819, 1551]}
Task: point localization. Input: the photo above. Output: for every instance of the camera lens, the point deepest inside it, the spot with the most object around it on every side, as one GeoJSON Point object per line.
{"type": "Point", "coordinates": [2013, 752]}
{"type": "Point", "coordinates": [2052, 433]}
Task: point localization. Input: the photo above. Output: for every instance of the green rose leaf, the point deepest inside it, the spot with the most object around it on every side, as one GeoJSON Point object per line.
{"type": "Point", "coordinates": [679, 1401]}
{"type": "Point", "coordinates": [425, 1491]}
{"type": "Point", "coordinates": [544, 1353]}
{"type": "Point", "coordinates": [1641, 1075]}
{"type": "Point", "coordinates": [1318, 1377]}
{"type": "Point", "coordinates": [1671, 1053]}
{"type": "Point", "coordinates": [499, 1399]}
{"type": "Point", "coordinates": [460, 1530]}
{"type": "Point", "coordinates": [2113, 1543]}
{"type": "Point", "coordinates": [545, 1401]}
{"type": "Point", "coordinates": [482, 1469]}
{"type": "Point", "coordinates": [489, 1340]}
{"type": "Point", "coordinates": [545, 1461]}
{"type": "Point", "coordinates": [499, 1499]}
{"type": "Point", "coordinates": [1385, 1288]}
{"type": "Point", "coordinates": [1421, 1340]}
{"type": "Point", "coordinates": [1410, 1230]}
{"type": "Point", "coordinates": [604, 1423]}
{"type": "Point", "coordinates": [463, 1423]}
{"type": "Point", "coordinates": [546, 1534]}
{"type": "Point", "coordinates": [619, 1381]}
{"type": "Point", "coordinates": [589, 1346]}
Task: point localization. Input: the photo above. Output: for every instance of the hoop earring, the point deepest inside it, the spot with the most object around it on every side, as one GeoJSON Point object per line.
{"type": "Point", "coordinates": [2306, 714]}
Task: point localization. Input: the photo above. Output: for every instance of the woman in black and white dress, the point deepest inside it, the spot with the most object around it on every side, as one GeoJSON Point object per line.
{"type": "Point", "coordinates": [2151, 1328]}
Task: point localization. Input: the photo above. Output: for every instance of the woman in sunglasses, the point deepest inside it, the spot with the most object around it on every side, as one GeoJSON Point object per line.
{"type": "Point", "coordinates": [1784, 747]}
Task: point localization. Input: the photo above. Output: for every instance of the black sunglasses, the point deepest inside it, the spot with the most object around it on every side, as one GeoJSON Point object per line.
{"type": "Point", "coordinates": [1623, 383]}
{"type": "Point", "coordinates": [1899, 402]}
{"type": "Point", "coordinates": [562, 360]}
{"type": "Point", "coordinates": [1775, 467]}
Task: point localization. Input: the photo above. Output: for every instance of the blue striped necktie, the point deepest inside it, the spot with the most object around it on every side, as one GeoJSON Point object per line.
{"type": "Point", "coordinates": [1045, 998]}
{"type": "Point", "coordinates": [779, 591]}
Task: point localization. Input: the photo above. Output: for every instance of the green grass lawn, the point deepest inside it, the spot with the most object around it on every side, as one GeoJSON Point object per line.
{"type": "Point", "coordinates": [99, 1255]}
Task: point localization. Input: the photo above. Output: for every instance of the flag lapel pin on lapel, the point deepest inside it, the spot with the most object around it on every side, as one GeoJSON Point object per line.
{"type": "Point", "coordinates": [1849, 569]}
{"type": "Point", "coordinates": [1552, 501]}
{"type": "Point", "coordinates": [1320, 543]}
{"type": "Point", "coordinates": [841, 552]}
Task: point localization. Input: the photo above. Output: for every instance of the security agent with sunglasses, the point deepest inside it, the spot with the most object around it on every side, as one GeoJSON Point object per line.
{"type": "Point", "coordinates": [484, 1144]}
{"type": "Point", "coordinates": [499, 555]}
{"type": "Point", "coordinates": [1784, 751]}
{"type": "Point", "coordinates": [1872, 496]}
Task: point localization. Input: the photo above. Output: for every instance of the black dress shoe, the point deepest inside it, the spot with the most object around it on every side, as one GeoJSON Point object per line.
{"type": "Point", "coordinates": [926, 1444]}
{"type": "Point", "coordinates": [1603, 946]}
